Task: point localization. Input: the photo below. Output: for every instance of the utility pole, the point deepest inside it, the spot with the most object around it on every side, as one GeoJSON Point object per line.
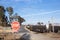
{"type": "Point", "coordinates": [52, 19]}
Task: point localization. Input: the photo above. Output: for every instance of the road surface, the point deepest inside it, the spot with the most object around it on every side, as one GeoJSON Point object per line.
{"type": "Point", "coordinates": [29, 35]}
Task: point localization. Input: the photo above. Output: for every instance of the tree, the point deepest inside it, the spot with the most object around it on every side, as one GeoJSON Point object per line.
{"type": "Point", "coordinates": [10, 12]}
{"type": "Point", "coordinates": [4, 20]}
{"type": "Point", "coordinates": [20, 19]}
{"type": "Point", "coordinates": [39, 23]}
{"type": "Point", "coordinates": [2, 13]}
{"type": "Point", "coordinates": [3, 17]}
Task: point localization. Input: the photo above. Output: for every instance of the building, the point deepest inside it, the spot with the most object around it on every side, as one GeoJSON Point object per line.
{"type": "Point", "coordinates": [55, 27]}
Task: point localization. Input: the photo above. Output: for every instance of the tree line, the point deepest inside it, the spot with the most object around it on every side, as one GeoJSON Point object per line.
{"type": "Point", "coordinates": [4, 19]}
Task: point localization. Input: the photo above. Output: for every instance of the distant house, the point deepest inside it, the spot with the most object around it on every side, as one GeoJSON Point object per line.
{"type": "Point", "coordinates": [54, 27]}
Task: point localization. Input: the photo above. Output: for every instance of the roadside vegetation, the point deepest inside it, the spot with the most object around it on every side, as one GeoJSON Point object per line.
{"type": "Point", "coordinates": [5, 20]}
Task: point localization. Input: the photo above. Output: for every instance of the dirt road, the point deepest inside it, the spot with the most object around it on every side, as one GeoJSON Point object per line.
{"type": "Point", "coordinates": [40, 36]}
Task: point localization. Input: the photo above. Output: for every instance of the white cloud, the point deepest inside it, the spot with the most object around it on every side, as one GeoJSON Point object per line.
{"type": "Point", "coordinates": [4, 2]}
{"type": "Point", "coordinates": [43, 13]}
{"type": "Point", "coordinates": [27, 0]}
{"type": "Point", "coordinates": [33, 20]}
{"type": "Point", "coordinates": [21, 0]}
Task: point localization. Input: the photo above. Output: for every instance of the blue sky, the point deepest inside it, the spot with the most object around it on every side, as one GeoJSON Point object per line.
{"type": "Point", "coordinates": [34, 11]}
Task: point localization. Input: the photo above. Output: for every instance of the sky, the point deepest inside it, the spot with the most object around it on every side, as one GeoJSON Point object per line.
{"type": "Point", "coordinates": [34, 11]}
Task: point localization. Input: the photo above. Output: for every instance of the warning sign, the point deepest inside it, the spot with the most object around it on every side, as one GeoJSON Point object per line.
{"type": "Point", "coordinates": [15, 26]}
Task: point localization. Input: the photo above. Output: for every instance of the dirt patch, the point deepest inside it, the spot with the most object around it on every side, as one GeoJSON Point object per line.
{"type": "Point", "coordinates": [53, 35]}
